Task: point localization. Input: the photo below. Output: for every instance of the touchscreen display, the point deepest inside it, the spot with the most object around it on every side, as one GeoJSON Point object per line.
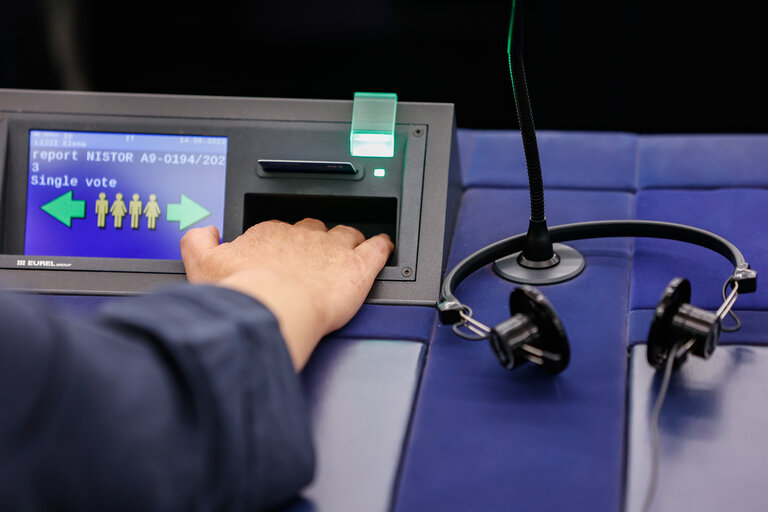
{"type": "Point", "coordinates": [121, 195]}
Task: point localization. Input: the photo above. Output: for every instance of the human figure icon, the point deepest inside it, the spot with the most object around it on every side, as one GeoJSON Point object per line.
{"type": "Point", "coordinates": [134, 210]}
{"type": "Point", "coordinates": [152, 211]}
{"type": "Point", "coordinates": [102, 209]}
{"type": "Point", "coordinates": [118, 210]}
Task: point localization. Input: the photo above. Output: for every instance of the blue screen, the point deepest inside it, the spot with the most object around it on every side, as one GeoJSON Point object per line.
{"type": "Point", "coordinates": [121, 195]}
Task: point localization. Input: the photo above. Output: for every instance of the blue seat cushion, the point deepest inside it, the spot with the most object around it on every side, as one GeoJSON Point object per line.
{"type": "Point", "coordinates": [736, 214]}
{"type": "Point", "coordinates": [569, 160]}
{"type": "Point", "coordinates": [483, 438]}
{"type": "Point", "coordinates": [702, 161]}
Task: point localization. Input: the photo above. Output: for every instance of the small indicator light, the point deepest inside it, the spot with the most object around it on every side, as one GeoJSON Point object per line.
{"type": "Point", "coordinates": [379, 173]}
{"type": "Point", "coordinates": [373, 124]}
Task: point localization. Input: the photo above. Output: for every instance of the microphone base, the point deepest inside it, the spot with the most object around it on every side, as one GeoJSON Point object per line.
{"type": "Point", "coordinates": [570, 265]}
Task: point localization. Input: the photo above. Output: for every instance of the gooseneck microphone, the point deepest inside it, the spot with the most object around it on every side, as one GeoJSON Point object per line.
{"type": "Point", "coordinates": [540, 262]}
{"type": "Point", "coordinates": [534, 334]}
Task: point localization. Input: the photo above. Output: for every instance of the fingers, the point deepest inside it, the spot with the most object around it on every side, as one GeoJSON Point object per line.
{"type": "Point", "coordinates": [312, 225]}
{"type": "Point", "coordinates": [197, 240]}
{"type": "Point", "coordinates": [347, 236]}
{"type": "Point", "coordinates": [375, 251]}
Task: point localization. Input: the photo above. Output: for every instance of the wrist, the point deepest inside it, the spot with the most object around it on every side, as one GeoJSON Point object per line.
{"type": "Point", "coordinates": [298, 314]}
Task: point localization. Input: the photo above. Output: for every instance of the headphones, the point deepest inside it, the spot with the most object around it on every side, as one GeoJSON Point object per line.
{"type": "Point", "coordinates": [534, 332]}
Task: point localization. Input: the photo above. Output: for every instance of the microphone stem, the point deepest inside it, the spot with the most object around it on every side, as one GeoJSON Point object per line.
{"type": "Point", "coordinates": [538, 246]}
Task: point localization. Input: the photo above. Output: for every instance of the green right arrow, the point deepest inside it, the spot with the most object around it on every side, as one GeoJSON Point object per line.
{"type": "Point", "coordinates": [186, 213]}
{"type": "Point", "coordinates": [64, 209]}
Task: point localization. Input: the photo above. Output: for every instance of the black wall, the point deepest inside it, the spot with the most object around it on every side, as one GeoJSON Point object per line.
{"type": "Point", "coordinates": [641, 66]}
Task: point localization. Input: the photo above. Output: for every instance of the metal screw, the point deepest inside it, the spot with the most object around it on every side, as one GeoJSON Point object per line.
{"type": "Point", "coordinates": [406, 271]}
{"type": "Point", "coordinates": [418, 132]}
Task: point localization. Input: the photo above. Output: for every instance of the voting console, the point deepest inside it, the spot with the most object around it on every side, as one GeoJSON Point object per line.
{"type": "Point", "coordinates": [98, 189]}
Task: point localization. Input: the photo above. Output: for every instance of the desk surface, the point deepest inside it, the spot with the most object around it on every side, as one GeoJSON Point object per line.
{"type": "Point", "coordinates": [409, 417]}
{"type": "Point", "coordinates": [483, 439]}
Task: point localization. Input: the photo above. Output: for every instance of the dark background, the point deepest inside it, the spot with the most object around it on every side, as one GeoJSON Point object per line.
{"type": "Point", "coordinates": [633, 65]}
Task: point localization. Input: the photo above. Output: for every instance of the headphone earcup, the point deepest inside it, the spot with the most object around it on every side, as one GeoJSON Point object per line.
{"type": "Point", "coordinates": [677, 324]}
{"type": "Point", "coordinates": [533, 334]}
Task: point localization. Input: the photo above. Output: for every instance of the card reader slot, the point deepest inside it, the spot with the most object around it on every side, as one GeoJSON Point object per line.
{"type": "Point", "coordinates": [307, 166]}
{"type": "Point", "coordinates": [370, 215]}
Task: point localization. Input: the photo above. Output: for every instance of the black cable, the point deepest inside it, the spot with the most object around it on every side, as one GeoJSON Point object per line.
{"type": "Point", "coordinates": [654, 428]}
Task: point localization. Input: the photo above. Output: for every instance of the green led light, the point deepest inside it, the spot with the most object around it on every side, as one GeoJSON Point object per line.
{"type": "Point", "coordinates": [379, 173]}
{"type": "Point", "coordinates": [373, 124]}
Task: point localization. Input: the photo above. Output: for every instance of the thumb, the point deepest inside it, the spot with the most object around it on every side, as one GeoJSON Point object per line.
{"type": "Point", "coordinates": [195, 242]}
{"type": "Point", "coordinates": [375, 252]}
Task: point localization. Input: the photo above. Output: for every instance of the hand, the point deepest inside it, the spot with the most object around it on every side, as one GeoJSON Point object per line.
{"type": "Point", "coordinates": [313, 279]}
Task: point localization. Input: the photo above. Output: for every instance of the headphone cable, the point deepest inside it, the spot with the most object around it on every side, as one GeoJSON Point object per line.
{"type": "Point", "coordinates": [737, 326]}
{"type": "Point", "coordinates": [654, 428]}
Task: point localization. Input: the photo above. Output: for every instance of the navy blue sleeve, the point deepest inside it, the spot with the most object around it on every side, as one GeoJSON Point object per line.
{"type": "Point", "coordinates": [184, 399]}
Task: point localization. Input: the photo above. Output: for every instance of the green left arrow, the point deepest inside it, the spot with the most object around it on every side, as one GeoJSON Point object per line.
{"type": "Point", "coordinates": [64, 209]}
{"type": "Point", "coordinates": [186, 213]}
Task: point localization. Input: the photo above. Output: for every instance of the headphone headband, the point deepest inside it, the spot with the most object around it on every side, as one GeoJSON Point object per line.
{"type": "Point", "coordinates": [450, 307]}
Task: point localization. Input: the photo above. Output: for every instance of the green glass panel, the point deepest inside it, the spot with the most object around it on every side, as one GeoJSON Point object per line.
{"type": "Point", "coordinates": [373, 124]}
